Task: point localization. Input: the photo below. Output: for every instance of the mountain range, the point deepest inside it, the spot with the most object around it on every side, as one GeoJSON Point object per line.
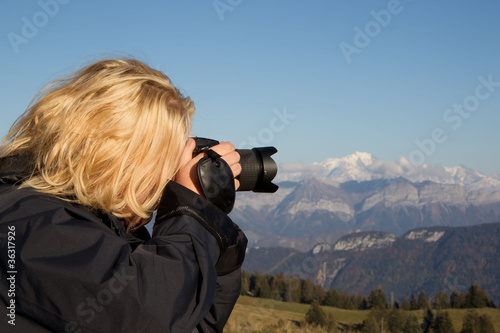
{"type": "Point", "coordinates": [358, 223]}
{"type": "Point", "coordinates": [425, 259]}
{"type": "Point", "coordinates": [321, 202]}
{"type": "Point", "coordinates": [362, 166]}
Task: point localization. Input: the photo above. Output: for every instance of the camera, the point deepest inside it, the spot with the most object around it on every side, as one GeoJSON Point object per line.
{"type": "Point", "coordinates": [258, 169]}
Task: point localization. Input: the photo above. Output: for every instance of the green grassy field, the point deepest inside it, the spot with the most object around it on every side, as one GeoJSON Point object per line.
{"type": "Point", "coordinates": [265, 315]}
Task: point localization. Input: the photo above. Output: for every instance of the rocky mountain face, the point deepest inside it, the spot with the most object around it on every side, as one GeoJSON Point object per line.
{"type": "Point", "coordinates": [322, 202]}
{"type": "Point", "coordinates": [426, 259]}
{"type": "Point", "coordinates": [311, 211]}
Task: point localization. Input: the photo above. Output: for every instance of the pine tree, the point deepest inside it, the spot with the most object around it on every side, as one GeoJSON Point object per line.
{"type": "Point", "coordinates": [332, 298]}
{"type": "Point", "coordinates": [474, 323]}
{"type": "Point", "coordinates": [377, 299]}
{"type": "Point", "coordinates": [331, 323]}
{"type": "Point", "coordinates": [283, 287]}
{"type": "Point", "coordinates": [476, 297]}
{"type": "Point", "coordinates": [442, 323]}
{"type": "Point", "coordinates": [294, 289]}
{"type": "Point", "coordinates": [405, 305]}
{"type": "Point", "coordinates": [457, 300]}
{"type": "Point", "coordinates": [345, 301]}
{"type": "Point", "coordinates": [441, 301]}
{"type": "Point", "coordinates": [319, 293]}
{"type": "Point", "coordinates": [485, 324]}
{"type": "Point", "coordinates": [274, 287]}
{"type": "Point", "coordinates": [262, 288]}
{"type": "Point", "coordinates": [422, 301]}
{"type": "Point", "coordinates": [413, 303]}
{"type": "Point", "coordinates": [361, 302]}
{"type": "Point", "coordinates": [377, 320]}
{"type": "Point", "coordinates": [396, 321]}
{"type": "Point", "coordinates": [470, 323]}
{"type": "Point", "coordinates": [370, 325]}
{"type": "Point", "coordinates": [428, 321]}
{"type": "Point", "coordinates": [253, 279]}
{"type": "Point", "coordinates": [412, 325]}
{"type": "Point", "coordinates": [245, 282]}
{"type": "Point", "coordinates": [315, 315]}
{"type": "Point", "coordinates": [306, 292]}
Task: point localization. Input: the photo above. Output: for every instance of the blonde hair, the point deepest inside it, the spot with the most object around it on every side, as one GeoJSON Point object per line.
{"type": "Point", "coordinates": [108, 136]}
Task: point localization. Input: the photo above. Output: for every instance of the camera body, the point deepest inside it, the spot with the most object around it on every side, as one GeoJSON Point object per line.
{"type": "Point", "coordinates": [258, 169]}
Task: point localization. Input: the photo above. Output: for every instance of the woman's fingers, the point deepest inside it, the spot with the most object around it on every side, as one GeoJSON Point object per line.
{"type": "Point", "coordinates": [231, 156]}
{"type": "Point", "coordinates": [187, 174]}
{"type": "Point", "coordinates": [187, 153]}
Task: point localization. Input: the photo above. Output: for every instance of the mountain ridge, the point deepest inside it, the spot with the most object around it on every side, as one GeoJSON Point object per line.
{"type": "Point", "coordinates": [361, 192]}
{"type": "Point", "coordinates": [427, 259]}
{"type": "Point", "coordinates": [312, 208]}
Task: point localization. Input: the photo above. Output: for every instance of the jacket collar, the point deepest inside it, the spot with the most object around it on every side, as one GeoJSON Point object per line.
{"type": "Point", "coordinates": [14, 169]}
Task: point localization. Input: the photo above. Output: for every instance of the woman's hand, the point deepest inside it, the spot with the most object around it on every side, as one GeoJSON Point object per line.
{"type": "Point", "coordinates": [187, 175]}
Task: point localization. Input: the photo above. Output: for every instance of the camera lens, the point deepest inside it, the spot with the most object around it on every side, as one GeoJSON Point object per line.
{"type": "Point", "coordinates": [257, 170]}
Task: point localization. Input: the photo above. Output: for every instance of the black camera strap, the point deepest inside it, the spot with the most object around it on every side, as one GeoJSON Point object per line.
{"type": "Point", "coordinates": [217, 180]}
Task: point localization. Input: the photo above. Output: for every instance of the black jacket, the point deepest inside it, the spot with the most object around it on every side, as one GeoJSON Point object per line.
{"type": "Point", "coordinates": [67, 269]}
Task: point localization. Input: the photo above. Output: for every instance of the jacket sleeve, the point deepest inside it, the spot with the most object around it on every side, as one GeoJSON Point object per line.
{"type": "Point", "coordinates": [232, 245]}
{"type": "Point", "coordinates": [228, 285]}
{"type": "Point", "coordinates": [73, 272]}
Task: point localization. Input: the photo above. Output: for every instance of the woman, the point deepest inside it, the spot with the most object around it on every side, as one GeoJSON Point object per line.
{"type": "Point", "coordinates": [81, 172]}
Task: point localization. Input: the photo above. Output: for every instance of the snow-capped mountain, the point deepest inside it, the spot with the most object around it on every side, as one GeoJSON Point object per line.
{"type": "Point", "coordinates": [362, 166]}
{"type": "Point", "coordinates": [360, 192]}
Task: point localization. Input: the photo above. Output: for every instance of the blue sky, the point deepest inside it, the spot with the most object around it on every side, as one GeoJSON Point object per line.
{"type": "Point", "coordinates": [316, 79]}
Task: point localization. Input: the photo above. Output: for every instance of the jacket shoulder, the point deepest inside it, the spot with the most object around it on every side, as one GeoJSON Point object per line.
{"type": "Point", "coordinates": [25, 204]}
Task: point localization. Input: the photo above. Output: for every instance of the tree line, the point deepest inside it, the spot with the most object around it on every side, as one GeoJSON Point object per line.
{"type": "Point", "coordinates": [292, 289]}
{"type": "Point", "coordinates": [396, 320]}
